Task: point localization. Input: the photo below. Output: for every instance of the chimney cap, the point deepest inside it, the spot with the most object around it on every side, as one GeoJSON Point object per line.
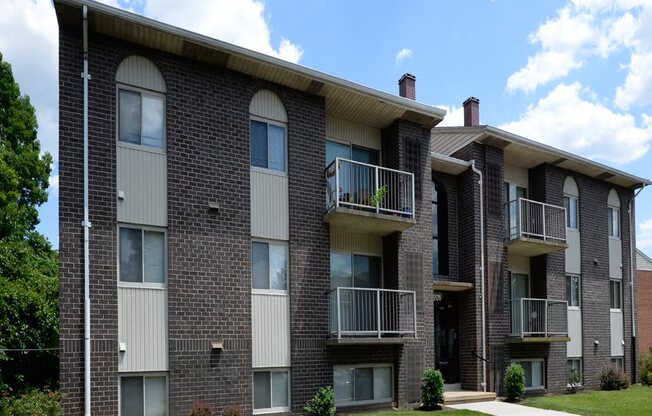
{"type": "Point", "coordinates": [471, 99]}
{"type": "Point", "coordinates": [407, 75]}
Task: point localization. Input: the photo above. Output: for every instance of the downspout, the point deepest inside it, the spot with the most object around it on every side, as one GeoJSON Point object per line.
{"type": "Point", "coordinates": [86, 224]}
{"type": "Point", "coordinates": [482, 269]}
{"type": "Point", "coordinates": [632, 254]}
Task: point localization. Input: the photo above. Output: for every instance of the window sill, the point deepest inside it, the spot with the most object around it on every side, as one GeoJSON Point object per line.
{"type": "Point", "coordinates": [362, 403]}
{"type": "Point", "coordinates": [142, 148]}
{"type": "Point", "coordinates": [272, 410]}
{"type": "Point", "coordinates": [268, 171]}
{"type": "Point", "coordinates": [135, 285]}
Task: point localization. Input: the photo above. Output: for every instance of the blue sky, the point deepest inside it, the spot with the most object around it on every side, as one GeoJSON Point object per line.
{"type": "Point", "coordinates": [574, 73]}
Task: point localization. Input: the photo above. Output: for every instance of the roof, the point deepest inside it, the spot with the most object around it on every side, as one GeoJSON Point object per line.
{"type": "Point", "coordinates": [448, 164]}
{"type": "Point", "coordinates": [343, 98]}
{"type": "Point", "coordinates": [526, 153]}
{"type": "Point", "coordinates": [643, 262]}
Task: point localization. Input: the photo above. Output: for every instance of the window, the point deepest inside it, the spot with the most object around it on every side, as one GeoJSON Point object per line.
{"type": "Point", "coordinates": [573, 294]}
{"type": "Point", "coordinates": [571, 204]}
{"type": "Point", "coordinates": [576, 364]}
{"type": "Point", "coordinates": [354, 270]}
{"type": "Point", "coordinates": [614, 222]}
{"type": "Point", "coordinates": [439, 229]}
{"type": "Point", "coordinates": [141, 118]}
{"type": "Point", "coordinates": [142, 255]}
{"type": "Point", "coordinates": [618, 363]}
{"type": "Point", "coordinates": [269, 265]}
{"type": "Point", "coordinates": [268, 145]}
{"type": "Point", "coordinates": [513, 193]}
{"type": "Point", "coordinates": [271, 391]}
{"type": "Point", "coordinates": [361, 385]}
{"type": "Point", "coordinates": [143, 396]}
{"type": "Point", "coordinates": [615, 294]}
{"type": "Point", "coordinates": [534, 374]}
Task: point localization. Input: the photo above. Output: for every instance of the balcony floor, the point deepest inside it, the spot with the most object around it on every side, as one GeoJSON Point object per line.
{"type": "Point", "coordinates": [530, 247]}
{"type": "Point", "coordinates": [365, 222]}
{"type": "Point", "coordinates": [512, 339]}
{"type": "Point", "coordinates": [369, 341]}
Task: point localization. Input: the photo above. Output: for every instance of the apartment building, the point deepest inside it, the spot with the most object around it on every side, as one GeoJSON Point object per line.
{"type": "Point", "coordinates": [239, 230]}
{"type": "Point", "coordinates": [644, 301]}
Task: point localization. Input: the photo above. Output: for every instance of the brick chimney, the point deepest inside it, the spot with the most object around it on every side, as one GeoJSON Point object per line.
{"type": "Point", "coordinates": [471, 112]}
{"type": "Point", "coordinates": [406, 86]}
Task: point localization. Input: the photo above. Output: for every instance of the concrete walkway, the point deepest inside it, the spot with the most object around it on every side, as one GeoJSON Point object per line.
{"type": "Point", "coordinates": [499, 408]}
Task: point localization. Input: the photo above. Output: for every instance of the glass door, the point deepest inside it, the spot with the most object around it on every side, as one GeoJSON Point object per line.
{"type": "Point", "coordinates": [519, 289]}
{"type": "Point", "coordinates": [513, 193]}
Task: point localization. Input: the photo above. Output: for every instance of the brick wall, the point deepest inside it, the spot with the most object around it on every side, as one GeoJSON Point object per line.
{"type": "Point", "coordinates": [644, 309]}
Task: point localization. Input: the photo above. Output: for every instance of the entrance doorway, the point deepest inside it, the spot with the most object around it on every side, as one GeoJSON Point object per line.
{"type": "Point", "coordinates": [447, 351]}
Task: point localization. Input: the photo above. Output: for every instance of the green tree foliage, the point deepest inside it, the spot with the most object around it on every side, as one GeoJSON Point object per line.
{"type": "Point", "coordinates": [514, 381]}
{"type": "Point", "coordinates": [432, 389]}
{"type": "Point", "coordinates": [28, 264]}
{"type": "Point", "coordinates": [323, 404]}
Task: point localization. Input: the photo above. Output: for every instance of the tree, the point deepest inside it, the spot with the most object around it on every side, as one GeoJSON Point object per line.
{"type": "Point", "coordinates": [28, 264]}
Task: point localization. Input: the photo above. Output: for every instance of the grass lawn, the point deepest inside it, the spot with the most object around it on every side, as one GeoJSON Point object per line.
{"type": "Point", "coordinates": [635, 401]}
{"type": "Point", "coordinates": [450, 412]}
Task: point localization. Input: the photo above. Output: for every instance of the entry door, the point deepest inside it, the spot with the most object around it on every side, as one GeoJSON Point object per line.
{"type": "Point", "coordinates": [447, 351]}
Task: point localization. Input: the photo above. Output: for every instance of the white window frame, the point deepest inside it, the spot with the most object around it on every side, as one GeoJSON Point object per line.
{"type": "Point", "coordinates": [287, 263]}
{"type": "Point", "coordinates": [613, 215]}
{"type": "Point", "coordinates": [285, 130]}
{"type": "Point", "coordinates": [577, 211]}
{"type": "Point", "coordinates": [579, 294]}
{"type": "Point", "coordinates": [143, 284]}
{"type": "Point", "coordinates": [143, 376]}
{"type": "Point", "coordinates": [366, 402]}
{"type": "Point", "coordinates": [358, 253]}
{"type": "Point", "coordinates": [130, 88]}
{"type": "Point", "coordinates": [620, 295]}
{"type": "Point", "coordinates": [543, 371]}
{"type": "Point", "coordinates": [271, 370]}
{"type": "Point", "coordinates": [581, 369]}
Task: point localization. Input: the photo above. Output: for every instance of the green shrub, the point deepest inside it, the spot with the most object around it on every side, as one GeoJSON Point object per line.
{"type": "Point", "coordinates": [646, 368]}
{"type": "Point", "coordinates": [612, 378]}
{"type": "Point", "coordinates": [514, 381]}
{"type": "Point", "coordinates": [573, 380]}
{"type": "Point", "coordinates": [201, 409]}
{"type": "Point", "coordinates": [32, 402]}
{"type": "Point", "coordinates": [323, 404]}
{"type": "Point", "coordinates": [432, 389]}
{"type": "Point", "coordinates": [232, 411]}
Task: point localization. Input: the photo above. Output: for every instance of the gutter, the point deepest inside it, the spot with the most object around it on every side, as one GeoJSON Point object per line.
{"type": "Point", "coordinates": [632, 253]}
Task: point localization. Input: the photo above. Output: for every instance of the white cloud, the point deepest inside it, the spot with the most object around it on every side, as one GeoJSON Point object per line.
{"type": "Point", "coordinates": [403, 54]}
{"type": "Point", "coordinates": [541, 69]}
{"type": "Point", "coordinates": [644, 235]}
{"type": "Point", "coordinates": [54, 184]}
{"type": "Point", "coordinates": [565, 119]}
{"type": "Point", "coordinates": [454, 116]}
{"type": "Point", "coordinates": [637, 88]}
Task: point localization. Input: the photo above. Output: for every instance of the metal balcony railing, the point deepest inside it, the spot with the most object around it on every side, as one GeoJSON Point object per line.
{"type": "Point", "coordinates": [372, 312]}
{"type": "Point", "coordinates": [369, 188]}
{"type": "Point", "coordinates": [535, 220]}
{"type": "Point", "coordinates": [538, 317]}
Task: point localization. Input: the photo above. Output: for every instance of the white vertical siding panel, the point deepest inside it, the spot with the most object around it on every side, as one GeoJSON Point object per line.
{"type": "Point", "coordinates": [573, 252]}
{"type": "Point", "coordinates": [642, 262]}
{"type": "Point", "coordinates": [574, 347]}
{"type": "Point", "coordinates": [359, 243]}
{"type": "Point", "coordinates": [142, 176]}
{"type": "Point", "coordinates": [267, 104]}
{"type": "Point", "coordinates": [140, 72]}
{"type": "Point", "coordinates": [142, 326]}
{"type": "Point", "coordinates": [518, 264]}
{"type": "Point", "coordinates": [617, 334]}
{"type": "Point", "coordinates": [269, 206]}
{"type": "Point", "coordinates": [615, 258]}
{"type": "Point", "coordinates": [357, 134]}
{"type": "Point", "coordinates": [516, 175]}
{"type": "Point", "coordinates": [270, 330]}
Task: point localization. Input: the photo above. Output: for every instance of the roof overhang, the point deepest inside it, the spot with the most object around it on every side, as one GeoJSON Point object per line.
{"type": "Point", "coordinates": [448, 164]}
{"type": "Point", "coordinates": [526, 153]}
{"type": "Point", "coordinates": [343, 98]}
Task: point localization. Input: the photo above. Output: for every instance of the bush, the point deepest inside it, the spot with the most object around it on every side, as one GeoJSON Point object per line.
{"type": "Point", "coordinates": [201, 409]}
{"type": "Point", "coordinates": [323, 404]}
{"type": "Point", "coordinates": [232, 411]}
{"type": "Point", "coordinates": [32, 402]}
{"type": "Point", "coordinates": [613, 379]}
{"type": "Point", "coordinates": [646, 368]}
{"type": "Point", "coordinates": [573, 380]}
{"type": "Point", "coordinates": [514, 381]}
{"type": "Point", "coordinates": [432, 389]}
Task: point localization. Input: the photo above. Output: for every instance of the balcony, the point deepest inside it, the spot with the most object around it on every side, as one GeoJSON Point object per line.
{"type": "Point", "coordinates": [372, 316]}
{"type": "Point", "coordinates": [368, 199]}
{"type": "Point", "coordinates": [535, 228]}
{"type": "Point", "coordinates": [538, 320]}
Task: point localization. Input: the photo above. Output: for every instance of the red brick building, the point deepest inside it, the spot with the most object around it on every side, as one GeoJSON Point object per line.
{"type": "Point", "coordinates": [644, 300]}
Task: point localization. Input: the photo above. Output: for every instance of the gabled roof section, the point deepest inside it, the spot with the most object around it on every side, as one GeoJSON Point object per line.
{"type": "Point", "coordinates": [343, 98]}
{"type": "Point", "coordinates": [643, 262]}
{"type": "Point", "coordinates": [527, 153]}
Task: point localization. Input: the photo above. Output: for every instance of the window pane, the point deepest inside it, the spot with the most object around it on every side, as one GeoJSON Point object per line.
{"type": "Point", "coordinates": [435, 256]}
{"type": "Point", "coordinates": [280, 389]}
{"type": "Point", "coordinates": [153, 121]}
{"type": "Point", "coordinates": [258, 144]}
{"type": "Point", "coordinates": [155, 401]}
{"type": "Point", "coordinates": [277, 148]}
{"type": "Point", "coordinates": [334, 149]}
{"type": "Point", "coordinates": [435, 221]}
{"type": "Point", "coordinates": [131, 256]}
{"type": "Point", "coordinates": [129, 122]}
{"type": "Point", "coordinates": [364, 383]}
{"type": "Point", "coordinates": [364, 155]}
{"type": "Point", "coordinates": [343, 380]}
{"type": "Point", "coordinates": [382, 383]}
{"type": "Point", "coordinates": [341, 270]}
{"type": "Point", "coordinates": [575, 290]}
{"type": "Point", "coordinates": [154, 257]}
{"type": "Point", "coordinates": [569, 294]}
{"type": "Point", "coordinates": [574, 211]}
{"type": "Point", "coordinates": [278, 266]}
{"type": "Point", "coordinates": [131, 396]}
{"type": "Point", "coordinates": [262, 394]}
{"type": "Point", "coordinates": [537, 373]}
{"type": "Point", "coordinates": [260, 254]}
{"type": "Point", "coordinates": [527, 367]}
{"type": "Point", "coordinates": [366, 271]}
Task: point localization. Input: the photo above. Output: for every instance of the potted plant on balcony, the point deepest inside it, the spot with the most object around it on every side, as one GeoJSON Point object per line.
{"type": "Point", "coordinates": [378, 196]}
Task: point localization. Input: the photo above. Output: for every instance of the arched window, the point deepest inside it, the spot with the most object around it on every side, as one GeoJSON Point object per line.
{"type": "Point", "coordinates": [268, 132]}
{"type": "Point", "coordinates": [613, 214]}
{"type": "Point", "coordinates": [571, 203]}
{"type": "Point", "coordinates": [439, 229]}
{"type": "Point", "coordinates": [141, 103]}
